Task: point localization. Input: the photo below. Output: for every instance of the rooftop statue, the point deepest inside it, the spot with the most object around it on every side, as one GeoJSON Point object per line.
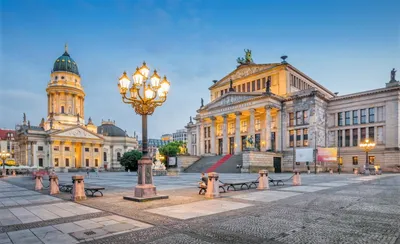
{"type": "Point", "coordinates": [247, 58]}
{"type": "Point", "coordinates": [393, 75]}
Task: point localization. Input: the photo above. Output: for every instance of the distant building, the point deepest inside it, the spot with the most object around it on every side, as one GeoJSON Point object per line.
{"type": "Point", "coordinates": [167, 138]}
{"type": "Point", "coordinates": [8, 143]}
{"type": "Point", "coordinates": [152, 145]}
{"type": "Point", "coordinates": [180, 135]}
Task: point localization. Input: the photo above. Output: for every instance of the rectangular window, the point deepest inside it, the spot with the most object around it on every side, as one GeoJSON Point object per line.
{"type": "Point", "coordinates": [305, 116]}
{"type": "Point", "coordinates": [298, 138]}
{"type": "Point", "coordinates": [231, 128]}
{"type": "Point", "coordinates": [243, 87]}
{"type": "Point", "coordinates": [355, 117]}
{"type": "Point", "coordinates": [347, 118]}
{"type": "Point", "coordinates": [291, 119]}
{"type": "Point", "coordinates": [56, 148]}
{"type": "Point", "coordinates": [239, 88]}
{"type": "Point", "coordinates": [355, 137]}
{"type": "Point", "coordinates": [96, 150]}
{"type": "Point", "coordinates": [371, 160]}
{"type": "Point", "coordinates": [243, 126]}
{"type": "Point", "coordinates": [363, 134]}
{"type": "Point", "coordinates": [66, 149]}
{"type": "Point", "coordinates": [209, 131]}
{"type": "Point", "coordinates": [257, 125]}
{"type": "Point", "coordinates": [67, 162]}
{"type": "Point", "coordinates": [56, 162]}
{"type": "Point", "coordinates": [371, 134]}
{"type": "Point", "coordinates": [379, 137]}
{"type": "Point", "coordinates": [305, 137]}
{"type": "Point", "coordinates": [340, 138]}
{"type": "Point", "coordinates": [371, 113]}
{"type": "Point", "coordinates": [86, 149]}
{"type": "Point", "coordinates": [258, 84]}
{"type": "Point", "coordinates": [40, 148]}
{"type": "Point", "coordinates": [222, 92]}
{"type": "Point", "coordinates": [340, 119]}
{"type": "Point", "coordinates": [87, 162]}
{"type": "Point", "coordinates": [40, 162]}
{"type": "Point", "coordinates": [363, 116]}
{"type": "Point", "coordinates": [355, 160]}
{"type": "Point", "coordinates": [291, 138]}
{"type": "Point", "coordinates": [347, 138]}
{"type": "Point", "coordinates": [96, 162]}
{"type": "Point", "coordinates": [299, 118]}
{"type": "Point", "coordinates": [226, 90]}
{"type": "Point", "coordinates": [253, 85]}
{"type": "Point", "coordinates": [263, 83]}
{"type": "Point", "coordinates": [205, 132]}
{"type": "Point", "coordinates": [379, 114]}
{"type": "Point", "coordinates": [248, 86]}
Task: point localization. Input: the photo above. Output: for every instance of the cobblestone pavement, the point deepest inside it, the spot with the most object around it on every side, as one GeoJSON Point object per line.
{"type": "Point", "coordinates": [325, 209]}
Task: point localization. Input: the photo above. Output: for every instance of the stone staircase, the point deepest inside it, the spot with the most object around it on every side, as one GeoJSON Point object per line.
{"type": "Point", "coordinates": [229, 166]}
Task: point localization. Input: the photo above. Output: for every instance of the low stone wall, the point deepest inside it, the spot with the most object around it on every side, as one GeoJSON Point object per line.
{"type": "Point", "coordinates": [185, 161]}
{"type": "Point", "coordinates": [254, 161]}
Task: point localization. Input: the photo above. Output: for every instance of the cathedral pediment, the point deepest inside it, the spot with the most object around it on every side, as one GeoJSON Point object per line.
{"type": "Point", "coordinates": [78, 132]}
{"type": "Point", "coordinates": [243, 71]}
{"type": "Point", "coordinates": [229, 99]}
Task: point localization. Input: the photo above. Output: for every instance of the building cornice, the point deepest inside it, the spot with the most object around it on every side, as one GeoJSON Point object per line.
{"type": "Point", "coordinates": [365, 93]}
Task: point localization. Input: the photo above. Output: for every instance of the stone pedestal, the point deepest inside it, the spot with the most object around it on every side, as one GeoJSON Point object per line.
{"type": "Point", "coordinates": [78, 188]}
{"type": "Point", "coordinates": [296, 179]}
{"type": "Point", "coordinates": [54, 184]}
{"type": "Point", "coordinates": [145, 190]}
{"type": "Point", "coordinates": [13, 173]}
{"type": "Point", "coordinates": [263, 182]}
{"type": "Point", "coordinates": [355, 171]}
{"type": "Point", "coordinates": [38, 183]}
{"type": "Point", "coordinates": [3, 172]}
{"type": "Point", "coordinates": [212, 185]}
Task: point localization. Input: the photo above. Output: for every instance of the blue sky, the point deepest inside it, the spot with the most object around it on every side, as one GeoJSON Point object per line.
{"type": "Point", "coordinates": [347, 46]}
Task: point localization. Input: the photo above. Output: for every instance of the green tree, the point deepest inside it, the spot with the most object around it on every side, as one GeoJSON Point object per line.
{"type": "Point", "coordinates": [170, 150]}
{"type": "Point", "coordinates": [130, 160]}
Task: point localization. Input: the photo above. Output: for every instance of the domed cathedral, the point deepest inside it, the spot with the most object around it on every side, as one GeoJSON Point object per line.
{"type": "Point", "coordinates": [65, 94]}
{"type": "Point", "coordinates": [63, 141]}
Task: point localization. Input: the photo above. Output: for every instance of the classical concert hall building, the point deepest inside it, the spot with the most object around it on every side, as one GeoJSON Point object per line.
{"type": "Point", "coordinates": [63, 140]}
{"type": "Point", "coordinates": [295, 111]}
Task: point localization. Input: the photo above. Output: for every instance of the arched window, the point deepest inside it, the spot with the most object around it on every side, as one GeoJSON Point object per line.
{"type": "Point", "coordinates": [105, 156]}
{"type": "Point", "coordinates": [118, 156]}
{"type": "Point", "coordinates": [62, 109]}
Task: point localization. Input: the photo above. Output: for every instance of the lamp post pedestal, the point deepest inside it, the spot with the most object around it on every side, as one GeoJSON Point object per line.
{"type": "Point", "coordinates": [3, 171]}
{"type": "Point", "coordinates": [145, 190]}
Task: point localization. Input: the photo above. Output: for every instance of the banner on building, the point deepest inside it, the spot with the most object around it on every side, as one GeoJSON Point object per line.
{"type": "Point", "coordinates": [304, 155]}
{"type": "Point", "coordinates": [328, 154]}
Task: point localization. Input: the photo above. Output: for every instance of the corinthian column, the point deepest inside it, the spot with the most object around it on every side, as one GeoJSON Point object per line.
{"type": "Point", "coordinates": [252, 125]}
{"type": "Point", "coordinates": [238, 138]}
{"type": "Point", "coordinates": [268, 127]}
{"type": "Point", "coordinates": [225, 135]}
{"type": "Point", "coordinates": [212, 136]}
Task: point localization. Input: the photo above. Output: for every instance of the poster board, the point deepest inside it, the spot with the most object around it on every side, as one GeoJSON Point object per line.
{"type": "Point", "coordinates": [304, 155]}
{"type": "Point", "coordinates": [327, 154]}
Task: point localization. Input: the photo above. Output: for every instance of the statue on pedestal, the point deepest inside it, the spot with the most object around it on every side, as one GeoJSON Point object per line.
{"type": "Point", "coordinates": [249, 142]}
{"type": "Point", "coordinates": [393, 75]}
{"type": "Point", "coordinates": [158, 165]}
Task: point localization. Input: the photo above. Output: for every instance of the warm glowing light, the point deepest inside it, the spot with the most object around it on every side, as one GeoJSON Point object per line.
{"type": "Point", "coordinates": [161, 93]}
{"type": "Point", "coordinates": [165, 84]}
{"type": "Point", "coordinates": [124, 81]}
{"type": "Point", "coordinates": [155, 80]}
{"type": "Point", "coordinates": [149, 93]}
{"type": "Point", "coordinates": [145, 70]}
{"type": "Point", "coordinates": [137, 78]}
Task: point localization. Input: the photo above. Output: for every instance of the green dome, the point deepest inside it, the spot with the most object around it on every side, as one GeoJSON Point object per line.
{"type": "Point", "coordinates": [65, 63]}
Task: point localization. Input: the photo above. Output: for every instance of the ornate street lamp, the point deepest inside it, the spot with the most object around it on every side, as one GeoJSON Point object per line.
{"type": "Point", "coordinates": [4, 155]}
{"type": "Point", "coordinates": [367, 146]}
{"type": "Point", "coordinates": [144, 97]}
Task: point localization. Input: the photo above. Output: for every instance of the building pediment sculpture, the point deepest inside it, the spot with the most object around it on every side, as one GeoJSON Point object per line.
{"type": "Point", "coordinates": [230, 99]}
{"type": "Point", "coordinates": [247, 58]}
{"type": "Point", "coordinates": [78, 132]}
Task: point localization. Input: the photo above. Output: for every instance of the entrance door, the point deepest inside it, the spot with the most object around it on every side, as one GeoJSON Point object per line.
{"type": "Point", "coordinates": [78, 155]}
{"type": "Point", "coordinates": [231, 145]}
{"type": "Point", "coordinates": [277, 164]}
{"type": "Point", "coordinates": [220, 141]}
{"type": "Point", "coordinates": [243, 142]}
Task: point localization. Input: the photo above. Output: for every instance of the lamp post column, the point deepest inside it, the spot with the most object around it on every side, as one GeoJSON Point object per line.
{"type": "Point", "coordinates": [225, 135]}
{"type": "Point", "coordinates": [366, 163]}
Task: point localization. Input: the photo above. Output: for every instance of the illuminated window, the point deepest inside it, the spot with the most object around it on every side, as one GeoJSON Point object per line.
{"type": "Point", "coordinates": [305, 116]}
{"type": "Point", "coordinates": [299, 118]}
{"type": "Point", "coordinates": [257, 125]}
{"type": "Point", "coordinates": [291, 119]}
{"type": "Point", "coordinates": [298, 138]}
{"type": "Point", "coordinates": [243, 126]}
{"type": "Point", "coordinates": [355, 160]}
{"type": "Point", "coordinates": [291, 138]}
{"type": "Point", "coordinates": [231, 128]}
{"type": "Point", "coordinates": [305, 137]}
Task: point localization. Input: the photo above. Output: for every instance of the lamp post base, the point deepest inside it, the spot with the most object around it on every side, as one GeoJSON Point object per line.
{"type": "Point", "coordinates": [3, 173]}
{"type": "Point", "coordinates": [145, 190]}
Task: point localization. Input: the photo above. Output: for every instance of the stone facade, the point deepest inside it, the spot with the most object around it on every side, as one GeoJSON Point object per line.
{"type": "Point", "coordinates": [186, 161]}
{"type": "Point", "coordinates": [63, 141]}
{"type": "Point", "coordinates": [254, 161]}
{"type": "Point", "coordinates": [295, 112]}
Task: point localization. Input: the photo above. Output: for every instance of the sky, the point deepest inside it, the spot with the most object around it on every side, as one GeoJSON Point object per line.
{"type": "Point", "coordinates": [347, 46]}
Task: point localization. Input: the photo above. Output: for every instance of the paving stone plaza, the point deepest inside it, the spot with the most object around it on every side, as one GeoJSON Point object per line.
{"type": "Point", "coordinates": [324, 209]}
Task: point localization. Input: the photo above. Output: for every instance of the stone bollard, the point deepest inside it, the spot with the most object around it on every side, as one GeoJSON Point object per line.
{"type": "Point", "coordinates": [38, 182]}
{"type": "Point", "coordinates": [296, 178]}
{"type": "Point", "coordinates": [263, 182]}
{"type": "Point", "coordinates": [13, 172]}
{"type": "Point", "coordinates": [78, 188]}
{"type": "Point", "coordinates": [54, 184]}
{"type": "Point", "coordinates": [331, 171]}
{"type": "Point", "coordinates": [356, 171]}
{"type": "Point", "coordinates": [212, 185]}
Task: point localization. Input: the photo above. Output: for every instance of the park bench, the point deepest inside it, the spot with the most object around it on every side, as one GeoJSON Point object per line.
{"type": "Point", "coordinates": [65, 187]}
{"type": "Point", "coordinates": [244, 185]}
{"type": "Point", "coordinates": [94, 189]}
{"type": "Point", "coordinates": [276, 182]}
